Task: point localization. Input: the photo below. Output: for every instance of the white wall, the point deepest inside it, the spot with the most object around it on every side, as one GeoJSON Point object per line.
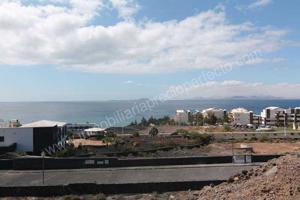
{"type": "Point", "coordinates": [22, 136]}
{"type": "Point", "coordinates": [241, 118]}
{"type": "Point", "coordinates": [217, 113]}
{"type": "Point", "coordinates": [181, 117]}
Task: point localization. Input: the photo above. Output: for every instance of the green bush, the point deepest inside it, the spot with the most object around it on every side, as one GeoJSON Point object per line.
{"type": "Point", "coordinates": [136, 134]}
{"type": "Point", "coordinates": [202, 139]}
{"type": "Point", "coordinates": [182, 131]}
{"type": "Point", "coordinates": [227, 128]}
{"type": "Point", "coordinates": [264, 138]}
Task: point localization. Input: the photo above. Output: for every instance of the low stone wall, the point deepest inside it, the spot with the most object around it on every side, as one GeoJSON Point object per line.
{"type": "Point", "coordinates": [6, 164]}
{"type": "Point", "coordinates": [174, 161]}
{"type": "Point", "coordinates": [80, 189]}
{"type": "Point", "coordinates": [63, 163]}
{"type": "Point", "coordinates": [78, 163]}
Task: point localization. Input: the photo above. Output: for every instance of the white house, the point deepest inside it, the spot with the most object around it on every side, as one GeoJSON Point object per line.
{"type": "Point", "coordinates": [181, 117]}
{"type": "Point", "coordinates": [241, 116]}
{"type": "Point", "coordinates": [22, 137]}
{"type": "Point", "coordinates": [33, 137]}
{"type": "Point", "coordinates": [218, 113]}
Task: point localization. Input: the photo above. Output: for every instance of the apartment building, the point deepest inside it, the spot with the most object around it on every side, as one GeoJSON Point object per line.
{"type": "Point", "coordinates": [218, 113]}
{"type": "Point", "coordinates": [241, 116]}
{"type": "Point", "coordinates": [181, 117]}
{"type": "Point", "coordinates": [273, 115]}
{"type": "Point", "coordinates": [294, 116]}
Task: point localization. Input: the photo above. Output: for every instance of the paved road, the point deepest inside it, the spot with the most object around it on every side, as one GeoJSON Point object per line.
{"type": "Point", "coordinates": [122, 175]}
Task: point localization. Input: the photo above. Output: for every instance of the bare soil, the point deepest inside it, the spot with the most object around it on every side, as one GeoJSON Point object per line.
{"type": "Point", "coordinates": [223, 149]}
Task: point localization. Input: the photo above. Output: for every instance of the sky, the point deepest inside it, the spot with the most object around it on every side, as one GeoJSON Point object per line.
{"type": "Point", "coordinates": [95, 50]}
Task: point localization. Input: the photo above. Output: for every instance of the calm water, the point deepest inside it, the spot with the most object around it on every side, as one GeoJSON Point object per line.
{"type": "Point", "coordinates": [98, 111]}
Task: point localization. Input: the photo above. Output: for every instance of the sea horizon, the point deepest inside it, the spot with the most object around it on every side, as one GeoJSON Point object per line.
{"type": "Point", "coordinates": [97, 111]}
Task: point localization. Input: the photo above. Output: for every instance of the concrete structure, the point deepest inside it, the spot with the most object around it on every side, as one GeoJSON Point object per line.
{"type": "Point", "coordinates": [241, 116]}
{"type": "Point", "coordinates": [218, 113]}
{"type": "Point", "coordinates": [14, 123]}
{"type": "Point", "coordinates": [33, 137]}
{"type": "Point", "coordinates": [95, 131]}
{"type": "Point", "coordinates": [273, 115]}
{"type": "Point", "coordinates": [295, 118]}
{"type": "Point", "coordinates": [79, 127]}
{"type": "Point", "coordinates": [181, 117]}
{"type": "Point", "coordinates": [23, 137]}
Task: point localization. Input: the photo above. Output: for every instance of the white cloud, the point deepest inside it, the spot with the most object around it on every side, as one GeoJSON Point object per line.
{"type": "Point", "coordinates": [126, 8]}
{"type": "Point", "coordinates": [60, 34]}
{"type": "Point", "coordinates": [128, 82]}
{"type": "Point", "coordinates": [233, 88]}
{"type": "Point", "coordinates": [259, 3]}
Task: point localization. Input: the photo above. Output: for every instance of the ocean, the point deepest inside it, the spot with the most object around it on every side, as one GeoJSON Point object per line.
{"type": "Point", "coordinates": [97, 112]}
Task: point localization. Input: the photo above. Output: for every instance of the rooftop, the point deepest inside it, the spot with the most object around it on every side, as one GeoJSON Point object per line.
{"type": "Point", "coordinates": [274, 108]}
{"type": "Point", "coordinates": [239, 110]}
{"type": "Point", "coordinates": [212, 109]}
{"type": "Point", "coordinates": [44, 123]}
{"type": "Point", "coordinates": [95, 130]}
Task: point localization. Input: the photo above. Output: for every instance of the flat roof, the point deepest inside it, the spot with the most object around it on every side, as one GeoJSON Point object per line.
{"type": "Point", "coordinates": [240, 110]}
{"type": "Point", "coordinates": [44, 123]}
{"type": "Point", "coordinates": [94, 129]}
{"type": "Point", "coordinates": [213, 109]}
{"type": "Point", "coordinates": [274, 108]}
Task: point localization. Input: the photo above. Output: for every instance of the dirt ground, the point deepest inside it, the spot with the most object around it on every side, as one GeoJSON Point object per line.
{"type": "Point", "coordinates": [172, 128]}
{"type": "Point", "coordinates": [258, 147]}
{"type": "Point", "coordinates": [77, 142]}
{"type": "Point", "coordinates": [217, 149]}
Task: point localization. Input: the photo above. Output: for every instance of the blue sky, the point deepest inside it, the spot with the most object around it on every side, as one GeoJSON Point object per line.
{"type": "Point", "coordinates": [64, 50]}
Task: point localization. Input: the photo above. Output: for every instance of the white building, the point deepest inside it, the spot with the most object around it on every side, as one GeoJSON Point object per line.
{"type": "Point", "coordinates": [218, 113]}
{"type": "Point", "coordinates": [241, 116]}
{"type": "Point", "coordinates": [275, 116]}
{"type": "Point", "coordinates": [95, 131]}
{"type": "Point", "coordinates": [271, 115]}
{"type": "Point", "coordinates": [21, 137]}
{"type": "Point", "coordinates": [79, 127]}
{"type": "Point", "coordinates": [181, 117]}
{"type": "Point", "coordinates": [295, 117]}
{"type": "Point", "coordinates": [33, 137]}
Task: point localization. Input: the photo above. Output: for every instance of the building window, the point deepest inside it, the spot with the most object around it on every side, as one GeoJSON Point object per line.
{"type": "Point", "coordinates": [1, 138]}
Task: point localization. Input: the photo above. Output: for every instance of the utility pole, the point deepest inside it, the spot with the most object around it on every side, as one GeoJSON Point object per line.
{"type": "Point", "coordinates": [43, 166]}
{"type": "Point", "coordinates": [285, 124]}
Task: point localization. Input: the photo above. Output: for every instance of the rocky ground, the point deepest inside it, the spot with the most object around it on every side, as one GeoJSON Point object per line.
{"type": "Point", "coordinates": [278, 179]}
